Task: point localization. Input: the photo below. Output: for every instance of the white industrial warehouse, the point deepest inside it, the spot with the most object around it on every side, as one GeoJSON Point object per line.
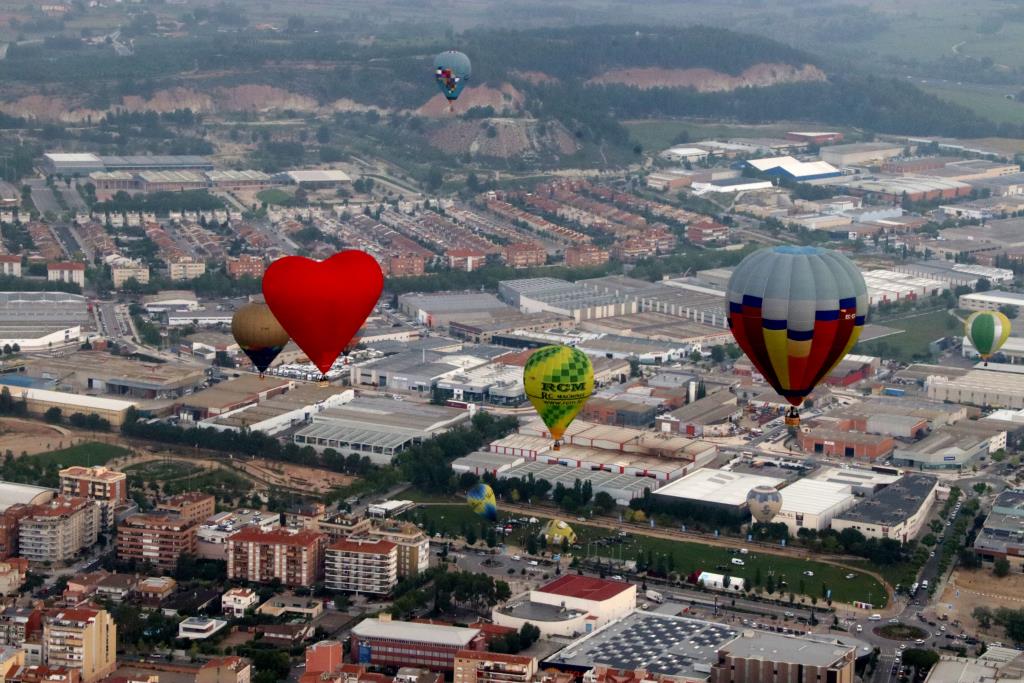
{"type": "Point", "coordinates": [811, 504]}
{"type": "Point", "coordinates": [717, 488]}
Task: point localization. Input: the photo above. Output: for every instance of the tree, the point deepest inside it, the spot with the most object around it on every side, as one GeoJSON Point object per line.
{"type": "Point", "coordinates": [695, 356]}
{"type": "Point", "coordinates": [701, 391]}
{"type": "Point", "coordinates": [922, 660]}
{"type": "Point", "coordinates": [757, 576]}
{"type": "Point", "coordinates": [983, 285]}
{"type": "Point", "coordinates": [718, 353]}
{"type": "Point", "coordinates": [52, 415]}
{"type": "Point", "coordinates": [604, 501]}
{"type": "Point", "coordinates": [1009, 311]}
{"type": "Point", "coordinates": [769, 584]}
{"type": "Point", "coordinates": [435, 179]}
{"type": "Point", "coordinates": [1001, 567]}
{"type": "Point", "coordinates": [983, 615]}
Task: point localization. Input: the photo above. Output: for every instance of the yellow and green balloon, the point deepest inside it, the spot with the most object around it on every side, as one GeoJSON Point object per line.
{"type": "Point", "coordinates": [481, 499]}
{"type": "Point", "coordinates": [558, 382]}
{"type": "Point", "coordinates": [987, 331]}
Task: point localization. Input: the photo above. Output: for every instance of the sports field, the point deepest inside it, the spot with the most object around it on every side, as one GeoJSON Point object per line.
{"type": "Point", "coordinates": [686, 557]}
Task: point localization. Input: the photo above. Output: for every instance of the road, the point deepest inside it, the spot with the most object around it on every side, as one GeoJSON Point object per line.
{"type": "Point", "coordinates": [43, 197]}
{"type": "Point", "coordinates": [71, 197]}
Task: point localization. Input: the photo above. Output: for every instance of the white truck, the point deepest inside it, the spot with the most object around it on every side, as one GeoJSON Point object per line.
{"type": "Point", "coordinates": [655, 596]}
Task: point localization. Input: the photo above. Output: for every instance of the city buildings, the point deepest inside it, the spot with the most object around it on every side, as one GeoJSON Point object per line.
{"type": "Point", "coordinates": [472, 666]}
{"type": "Point", "coordinates": [199, 628]}
{"type": "Point", "coordinates": [898, 511]}
{"type": "Point", "coordinates": [1002, 535]}
{"type": "Point", "coordinates": [293, 557]}
{"type": "Point", "coordinates": [192, 506]}
{"type": "Point", "coordinates": [83, 639]}
{"type": "Point", "coordinates": [10, 265]}
{"type": "Point", "coordinates": [58, 530]}
{"type": "Point", "coordinates": [212, 535]}
{"type": "Point", "coordinates": [124, 270]}
{"type": "Point", "coordinates": [236, 601]}
{"type": "Point", "coordinates": [812, 504]}
{"type": "Point", "coordinates": [379, 641]}
{"type": "Point", "coordinates": [569, 605]}
{"type": "Point", "coordinates": [158, 539]}
{"type": "Point", "coordinates": [42, 321]}
{"type": "Point", "coordinates": [66, 271]}
{"type": "Point", "coordinates": [106, 486]}
{"type": "Point", "coordinates": [361, 566]}
{"type": "Point", "coordinates": [715, 489]}
{"type": "Point", "coordinates": [758, 656]}
{"type": "Point", "coordinates": [412, 546]}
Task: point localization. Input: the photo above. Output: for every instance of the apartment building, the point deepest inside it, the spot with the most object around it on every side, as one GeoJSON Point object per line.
{"type": "Point", "coordinates": [18, 624]}
{"type": "Point", "coordinates": [83, 639]}
{"type": "Point", "coordinates": [66, 271]}
{"type": "Point", "coordinates": [159, 538]}
{"type": "Point", "coordinates": [58, 530]}
{"type": "Point", "coordinates": [12, 575]}
{"type": "Point", "coordinates": [472, 666]}
{"type": "Point", "coordinates": [411, 542]}
{"type": "Point", "coordinates": [10, 264]}
{"type": "Point", "coordinates": [185, 268]}
{"type": "Point", "coordinates": [295, 557]}
{"type": "Point", "coordinates": [361, 566]}
{"type": "Point", "coordinates": [122, 273]}
{"type": "Point", "coordinates": [107, 487]}
{"type": "Point", "coordinates": [192, 506]}
{"type": "Point", "coordinates": [253, 266]}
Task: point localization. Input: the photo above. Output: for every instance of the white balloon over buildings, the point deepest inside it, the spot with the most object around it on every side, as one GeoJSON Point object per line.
{"type": "Point", "coordinates": [764, 502]}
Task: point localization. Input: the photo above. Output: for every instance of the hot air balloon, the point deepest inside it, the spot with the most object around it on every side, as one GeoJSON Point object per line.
{"type": "Point", "coordinates": [558, 381]}
{"type": "Point", "coordinates": [796, 312]}
{"type": "Point", "coordinates": [987, 331]}
{"type": "Point", "coordinates": [764, 503]}
{"type": "Point", "coordinates": [258, 334]}
{"type": "Point", "coordinates": [451, 71]}
{"type": "Point", "coordinates": [322, 304]}
{"type": "Point", "coordinates": [481, 499]}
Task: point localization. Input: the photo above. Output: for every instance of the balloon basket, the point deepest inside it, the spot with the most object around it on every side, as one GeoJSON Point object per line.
{"type": "Point", "coordinates": [323, 382]}
{"type": "Point", "coordinates": [793, 418]}
{"type": "Point", "coordinates": [557, 446]}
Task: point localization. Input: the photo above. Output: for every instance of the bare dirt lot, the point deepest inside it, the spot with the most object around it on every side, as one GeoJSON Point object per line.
{"type": "Point", "coordinates": [969, 589]}
{"type": "Point", "coordinates": [23, 436]}
{"type": "Point", "coordinates": [310, 479]}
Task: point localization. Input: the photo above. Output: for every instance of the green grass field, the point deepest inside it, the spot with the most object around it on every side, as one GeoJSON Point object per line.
{"type": "Point", "coordinates": [273, 195]}
{"type": "Point", "coordinates": [988, 102]}
{"type": "Point", "coordinates": [687, 557]}
{"type": "Point", "coordinates": [918, 330]}
{"type": "Point", "coordinates": [87, 454]}
{"type": "Point", "coordinates": [220, 482]}
{"type": "Point", "coordinates": [161, 470]}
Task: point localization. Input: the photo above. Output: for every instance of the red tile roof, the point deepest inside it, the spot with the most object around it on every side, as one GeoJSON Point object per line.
{"type": "Point", "coordinates": [585, 587]}
{"type": "Point", "coordinates": [361, 546]}
{"type": "Point", "coordinates": [493, 657]}
{"type": "Point", "coordinates": [276, 537]}
{"type": "Point", "coordinates": [65, 265]}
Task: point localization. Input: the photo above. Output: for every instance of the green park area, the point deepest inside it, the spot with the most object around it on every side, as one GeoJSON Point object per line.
{"type": "Point", "coordinates": [274, 195]}
{"type": "Point", "coordinates": [161, 470]}
{"type": "Point", "coordinates": [85, 454]}
{"type": "Point", "coordinates": [916, 332]}
{"type": "Point", "coordinates": [681, 557]}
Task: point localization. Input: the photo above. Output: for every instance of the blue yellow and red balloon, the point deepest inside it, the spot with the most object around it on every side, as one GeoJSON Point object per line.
{"type": "Point", "coordinates": [481, 499]}
{"type": "Point", "coordinates": [796, 312]}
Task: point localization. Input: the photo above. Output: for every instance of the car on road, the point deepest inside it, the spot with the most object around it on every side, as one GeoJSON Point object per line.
{"type": "Point", "coordinates": [851, 575]}
{"type": "Point", "coordinates": [903, 646]}
{"type": "Point", "coordinates": [808, 573]}
{"type": "Point", "coordinates": [615, 578]}
{"type": "Point", "coordinates": [534, 563]}
{"type": "Point", "coordinates": [894, 620]}
{"type": "Point", "coordinates": [516, 558]}
{"type": "Point", "coordinates": [919, 641]}
{"type": "Point", "coordinates": [788, 615]}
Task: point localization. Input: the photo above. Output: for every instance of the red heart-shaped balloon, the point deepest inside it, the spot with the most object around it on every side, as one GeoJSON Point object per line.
{"type": "Point", "coordinates": [322, 304]}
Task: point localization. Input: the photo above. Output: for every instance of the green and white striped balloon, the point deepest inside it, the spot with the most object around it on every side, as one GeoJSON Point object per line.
{"type": "Point", "coordinates": [987, 331]}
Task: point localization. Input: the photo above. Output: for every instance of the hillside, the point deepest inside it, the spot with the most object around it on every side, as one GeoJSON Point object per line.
{"type": "Point", "coordinates": [585, 80]}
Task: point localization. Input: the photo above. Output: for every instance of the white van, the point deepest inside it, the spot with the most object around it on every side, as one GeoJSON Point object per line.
{"type": "Point", "coordinates": [738, 561]}
{"type": "Point", "coordinates": [743, 551]}
{"type": "Point", "coordinates": [875, 617]}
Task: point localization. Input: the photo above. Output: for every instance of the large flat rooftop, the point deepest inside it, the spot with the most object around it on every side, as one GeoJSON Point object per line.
{"type": "Point", "coordinates": [718, 487]}
{"type": "Point", "coordinates": [658, 643]}
{"type": "Point", "coordinates": [895, 503]}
